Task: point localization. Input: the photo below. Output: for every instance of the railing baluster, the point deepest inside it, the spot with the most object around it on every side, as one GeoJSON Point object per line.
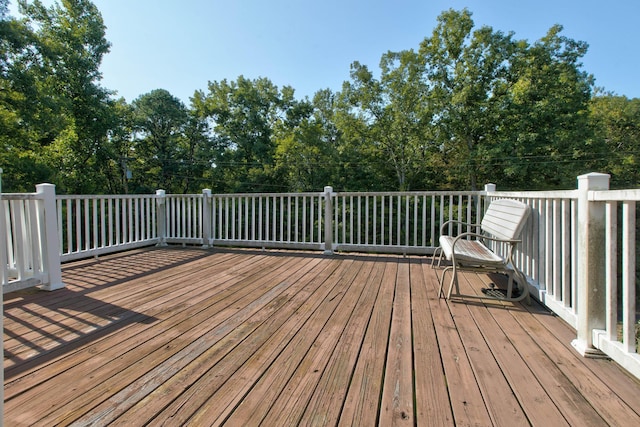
{"type": "Point", "coordinates": [611, 266]}
{"type": "Point", "coordinates": [375, 220]}
{"type": "Point", "coordinates": [382, 218]}
{"type": "Point", "coordinates": [629, 276]}
{"type": "Point", "coordinates": [130, 223]}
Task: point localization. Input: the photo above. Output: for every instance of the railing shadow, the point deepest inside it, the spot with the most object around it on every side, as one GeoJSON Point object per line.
{"type": "Point", "coordinates": [37, 325]}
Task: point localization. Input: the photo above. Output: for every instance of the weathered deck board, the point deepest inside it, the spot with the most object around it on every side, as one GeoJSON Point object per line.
{"type": "Point", "coordinates": [592, 378]}
{"type": "Point", "coordinates": [503, 407]}
{"type": "Point", "coordinates": [176, 336]}
{"type": "Point", "coordinates": [362, 401]}
{"type": "Point", "coordinates": [431, 402]}
{"type": "Point", "coordinates": [397, 396]}
{"type": "Point", "coordinates": [532, 365]}
{"type": "Point", "coordinates": [534, 400]}
{"type": "Point", "coordinates": [463, 391]}
{"type": "Point", "coordinates": [326, 402]}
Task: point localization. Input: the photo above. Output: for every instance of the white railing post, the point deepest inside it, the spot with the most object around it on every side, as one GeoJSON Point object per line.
{"type": "Point", "coordinates": [206, 217]}
{"type": "Point", "coordinates": [51, 245]}
{"type": "Point", "coordinates": [3, 258]}
{"type": "Point", "coordinates": [161, 199]}
{"type": "Point", "coordinates": [328, 220]}
{"type": "Point", "coordinates": [591, 298]}
{"type": "Point", "coordinates": [488, 189]}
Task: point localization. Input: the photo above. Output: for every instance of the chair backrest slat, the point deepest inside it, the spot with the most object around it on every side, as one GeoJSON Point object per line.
{"type": "Point", "coordinates": [505, 218]}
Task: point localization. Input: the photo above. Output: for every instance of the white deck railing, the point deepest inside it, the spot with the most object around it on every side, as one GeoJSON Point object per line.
{"type": "Point", "coordinates": [617, 334]}
{"type": "Point", "coordinates": [547, 254]}
{"type": "Point", "coordinates": [574, 242]}
{"type": "Point", "coordinates": [27, 247]}
{"type": "Point", "coordinates": [94, 225]}
{"type": "Point", "coordinates": [277, 220]}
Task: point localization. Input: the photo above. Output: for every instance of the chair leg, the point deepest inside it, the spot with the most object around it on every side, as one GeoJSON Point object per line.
{"type": "Point", "coordinates": [454, 281]}
{"type": "Point", "coordinates": [522, 280]}
{"type": "Point", "coordinates": [441, 280]}
{"type": "Point", "coordinates": [437, 251]}
{"type": "Point", "coordinates": [510, 285]}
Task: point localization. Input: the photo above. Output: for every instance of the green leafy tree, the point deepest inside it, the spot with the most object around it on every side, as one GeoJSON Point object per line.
{"type": "Point", "coordinates": [386, 122]}
{"type": "Point", "coordinates": [243, 115]}
{"type": "Point", "coordinates": [19, 111]}
{"type": "Point", "coordinates": [502, 110]}
{"type": "Point", "coordinates": [159, 123]}
{"type": "Point", "coordinates": [199, 152]}
{"type": "Point", "coordinates": [469, 75]}
{"type": "Point", "coordinates": [118, 153]}
{"type": "Point", "coordinates": [616, 123]}
{"type": "Point", "coordinates": [305, 155]}
{"type": "Point", "coordinates": [51, 64]}
{"type": "Point", "coordinates": [546, 132]}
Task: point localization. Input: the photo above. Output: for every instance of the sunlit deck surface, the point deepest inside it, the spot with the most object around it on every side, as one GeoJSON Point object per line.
{"type": "Point", "coordinates": [179, 336]}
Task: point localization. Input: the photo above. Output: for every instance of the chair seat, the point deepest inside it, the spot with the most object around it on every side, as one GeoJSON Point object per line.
{"type": "Point", "coordinates": [469, 251]}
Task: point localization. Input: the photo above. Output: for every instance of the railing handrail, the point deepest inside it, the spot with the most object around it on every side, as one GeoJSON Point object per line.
{"type": "Point", "coordinates": [615, 195]}
{"type": "Point", "coordinates": [21, 196]}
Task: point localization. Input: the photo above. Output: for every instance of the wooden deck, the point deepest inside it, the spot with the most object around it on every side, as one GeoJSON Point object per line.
{"type": "Point", "coordinates": [245, 338]}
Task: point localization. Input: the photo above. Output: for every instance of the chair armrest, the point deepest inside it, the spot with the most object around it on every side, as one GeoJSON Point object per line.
{"type": "Point", "coordinates": [483, 237]}
{"type": "Point", "coordinates": [454, 221]}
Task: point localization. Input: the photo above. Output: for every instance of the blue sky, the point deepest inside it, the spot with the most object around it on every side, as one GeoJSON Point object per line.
{"type": "Point", "coordinates": [181, 45]}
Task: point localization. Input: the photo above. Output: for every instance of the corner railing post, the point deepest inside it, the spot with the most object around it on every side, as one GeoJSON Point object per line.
{"type": "Point", "coordinates": [328, 220]}
{"type": "Point", "coordinates": [161, 208]}
{"type": "Point", "coordinates": [4, 273]}
{"type": "Point", "coordinates": [3, 258]}
{"type": "Point", "coordinates": [51, 244]}
{"type": "Point", "coordinates": [206, 217]}
{"type": "Point", "coordinates": [591, 298]}
{"type": "Point", "coordinates": [488, 188]}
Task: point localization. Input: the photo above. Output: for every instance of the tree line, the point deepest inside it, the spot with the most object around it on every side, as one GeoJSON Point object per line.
{"type": "Point", "coordinates": [465, 107]}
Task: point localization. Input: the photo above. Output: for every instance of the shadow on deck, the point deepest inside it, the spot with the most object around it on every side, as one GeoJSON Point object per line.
{"type": "Point", "coordinates": [240, 337]}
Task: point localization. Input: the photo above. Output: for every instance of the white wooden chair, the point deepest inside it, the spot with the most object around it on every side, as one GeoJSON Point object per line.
{"type": "Point", "coordinates": [502, 223]}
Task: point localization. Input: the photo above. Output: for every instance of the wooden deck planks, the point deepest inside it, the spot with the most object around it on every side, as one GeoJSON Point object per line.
{"type": "Point", "coordinates": [534, 400]}
{"type": "Point", "coordinates": [397, 406]}
{"type": "Point", "coordinates": [362, 402]}
{"type": "Point", "coordinates": [64, 316]}
{"type": "Point", "coordinates": [325, 405]}
{"type": "Point", "coordinates": [266, 393]}
{"type": "Point", "coordinates": [289, 407]}
{"type": "Point", "coordinates": [595, 387]}
{"type": "Point", "coordinates": [465, 396]}
{"type": "Point", "coordinates": [432, 405]}
{"type": "Point", "coordinates": [208, 336]}
{"type": "Point", "coordinates": [195, 381]}
{"type": "Point", "coordinates": [142, 295]}
{"type": "Point", "coordinates": [244, 337]}
{"type": "Point", "coordinates": [155, 349]}
{"type": "Point", "coordinates": [502, 405]}
{"type": "Point", "coordinates": [538, 369]}
{"type": "Point", "coordinates": [270, 339]}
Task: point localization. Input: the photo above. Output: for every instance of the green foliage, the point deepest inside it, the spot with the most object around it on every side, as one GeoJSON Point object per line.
{"type": "Point", "coordinates": [159, 122]}
{"type": "Point", "coordinates": [386, 122]}
{"type": "Point", "coordinates": [244, 115]}
{"type": "Point", "coordinates": [548, 118]}
{"type": "Point", "coordinates": [54, 104]}
{"type": "Point", "coordinates": [507, 112]}
{"type": "Point", "coordinates": [305, 151]}
{"type": "Point", "coordinates": [467, 106]}
{"type": "Point", "coordinates": [616, 124]}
